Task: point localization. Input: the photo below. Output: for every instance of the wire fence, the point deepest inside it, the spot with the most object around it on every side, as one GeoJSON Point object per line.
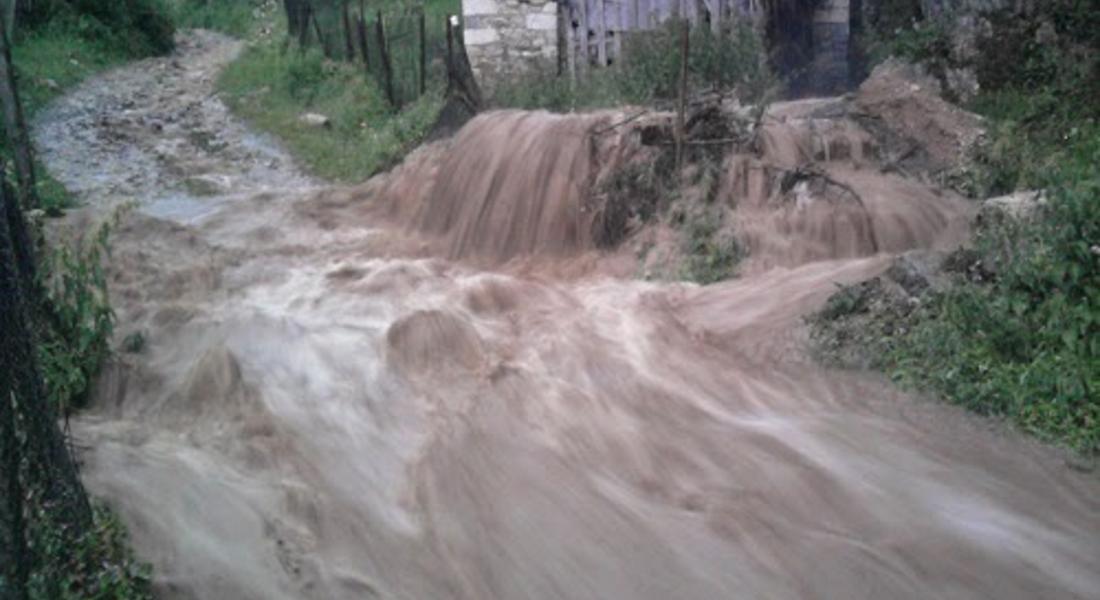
{"type": "Point", "coordinates": [403, 48]}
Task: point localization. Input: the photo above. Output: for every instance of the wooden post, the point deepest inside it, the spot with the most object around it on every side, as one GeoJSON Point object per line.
{"type": "Point", "coordinates": [586, 59]}
{"type": "Point", "coordinates": [620, 27]}
{"type": "Point", "coordinates": [682, 104]}
{"type": "Point", "coordinates": [349, 44]}
{"type": "Point", "coordinates": [361, 34]}
{"type": "Point", "coordinates": [601, 33]}
{"type": "Point", "coordinates": [303, 25]}
{"type": "Point", "coordinates": [423, 52]}
{"type": "Point", "coordinates": [384, 58]}
{"type": "Point", "coordinates": [16, 125]}
{"type": "Point", "coordinates": [570, 47]}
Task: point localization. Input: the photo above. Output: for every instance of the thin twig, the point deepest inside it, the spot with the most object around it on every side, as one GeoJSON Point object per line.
{"type": "Point", "coordinates": [633, 117]}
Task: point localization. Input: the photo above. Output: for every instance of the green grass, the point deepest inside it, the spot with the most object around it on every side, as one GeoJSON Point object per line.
{"type": "Point", "coordinates": [1023, 340]}
{"type": "Point", "coordinates": [232, 17]}
{"type": "Point", "coordinates": [271, 87]}
{"type": "Point", "coordinates": [1025, 345]}
{"type": "Point", "coordinates": [274, 82]}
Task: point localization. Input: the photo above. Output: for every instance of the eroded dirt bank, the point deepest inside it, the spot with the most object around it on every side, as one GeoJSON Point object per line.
{"type": "Point", "coordinates": [334, 402]}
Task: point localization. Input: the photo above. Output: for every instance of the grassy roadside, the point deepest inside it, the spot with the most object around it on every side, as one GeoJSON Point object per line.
{"type": "Point", "coordinates": [1017, 335]}
{"type": "Point", "coordinates": [273, 84]}
{"type": "Point", "coordinates": [272, 87]}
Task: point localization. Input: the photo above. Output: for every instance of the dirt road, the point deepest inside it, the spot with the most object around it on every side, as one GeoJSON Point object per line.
{"type": "Point", "coordinates": [327, 408]}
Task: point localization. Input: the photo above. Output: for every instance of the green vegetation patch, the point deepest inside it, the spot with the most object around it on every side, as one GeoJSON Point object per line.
{"type": "Point", "coordinates": [1017, 334]}
{"type": "Point", "coordinates": [273, 86]}
{"type": "Point", "coordinates": [732, 61]}
{"type": "Point", "coordinates": [232, 17]}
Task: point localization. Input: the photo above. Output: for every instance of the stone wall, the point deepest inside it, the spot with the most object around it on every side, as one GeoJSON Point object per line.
{"type": "Point", "coordinates": [506, 37]}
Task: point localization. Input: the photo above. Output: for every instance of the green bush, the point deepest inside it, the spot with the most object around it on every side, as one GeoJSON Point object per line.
{"type": "Point", "coordinates": [76, 327]}
{"type": "Point", "coordinates": [234, 17]}
{"type": "Point", "coordinates": [1023, 341]}
{"type": "Point", "coordinates": [99, 565]}
{"type": "Point", "coordinates": [132, 27]}
{"type": "Point", "coordinates": [1026, 345]}
{"type": "Point", "coordinates": [730, 62]}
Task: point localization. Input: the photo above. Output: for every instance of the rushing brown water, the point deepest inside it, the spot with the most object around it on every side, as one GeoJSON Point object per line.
{"type": "Point", "coordinates": [392, 392]}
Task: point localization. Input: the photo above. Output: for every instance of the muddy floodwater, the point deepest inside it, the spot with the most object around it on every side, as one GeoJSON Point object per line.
{"type": "Point", "coordinates": [434, 385]}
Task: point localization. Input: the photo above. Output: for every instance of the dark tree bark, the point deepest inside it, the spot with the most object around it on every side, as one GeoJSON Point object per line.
{"type": "Point", "coordinates": [15, 125]}
{"type": "Point", "coordinates": [33, 447]}
{"type": "Point", "coordinates": [463, 99]}
{"type": "Point", "coordinates": [14, 558]}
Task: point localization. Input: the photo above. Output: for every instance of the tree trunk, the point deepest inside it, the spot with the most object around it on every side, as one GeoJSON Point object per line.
{"type": "Point", "coordinates": [30, 439]}
{"type": "Point", "coordinates": [14, 558]}
{"type": "Point", "coordinates": [15, 125]}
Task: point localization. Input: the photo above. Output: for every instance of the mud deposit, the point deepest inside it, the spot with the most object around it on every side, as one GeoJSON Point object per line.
{"type": "Point", "coordinates": [399, 391]}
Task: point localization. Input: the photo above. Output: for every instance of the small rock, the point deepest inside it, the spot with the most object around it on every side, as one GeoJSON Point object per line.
{"type": "Point", "coordinates": [314, 120]}
{"type": "Point", "coordinates": [916, 272]}
{"type": "Point", "coordinates": [51, 85]}
{"type": "Point", "coordinates": [1018, 206]}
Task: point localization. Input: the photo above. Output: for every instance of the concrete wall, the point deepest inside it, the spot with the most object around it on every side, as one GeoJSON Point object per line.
{"type": "Point", "coordinates": [505, 37]}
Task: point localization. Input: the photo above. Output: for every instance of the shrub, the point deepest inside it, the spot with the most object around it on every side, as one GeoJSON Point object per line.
{"type": "Point", "coordinates": [75, 331]}
{"type": "Point", "coordinates": [233, 17]}
{"type": "Point", "coordinates": [1027, 345]}
{"type": "Point", "coordinates": [730, 62]}
{"type": "Point", "coordinates": [133, 27]}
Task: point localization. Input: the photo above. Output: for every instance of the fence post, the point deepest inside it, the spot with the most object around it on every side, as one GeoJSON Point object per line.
{"type": "Point", "coordinates": [601, 34]}
{"type": "Point", "coordinates": [682, 104]}
{"type": "Point", "coordinates": [361, 33]}
{"type": "Point", "coordinates": [585, 56]}
{"type": "Point", "coordinates": [305, 11]}
{"type": "Point", "coordinates": [349, 45]}
{"type": "Point", "coordinates": [384, 57]}
{"type": "Point", "coordinates": [423, 52]}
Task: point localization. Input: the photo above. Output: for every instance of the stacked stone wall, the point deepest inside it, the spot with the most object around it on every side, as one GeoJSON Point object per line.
{"type": "Point", "coordinates": [508, 37]}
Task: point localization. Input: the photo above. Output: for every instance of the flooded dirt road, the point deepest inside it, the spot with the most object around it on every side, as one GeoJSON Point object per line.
{"type": "Point", "coordinates": [433, 386]}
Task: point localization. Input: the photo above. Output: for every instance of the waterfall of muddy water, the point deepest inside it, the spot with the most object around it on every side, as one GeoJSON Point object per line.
{"type": "Point", "coordinates": [390, 392]}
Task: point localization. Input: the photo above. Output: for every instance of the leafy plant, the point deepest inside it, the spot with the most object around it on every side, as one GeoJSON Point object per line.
{"type": "Point", "coordinates": [711, 254]}
{"type": "Point", "coordinates": [98, 565]}
{"type": "Point", "coordinates": [732, 61]}
{"type": "Point", "coordinates": [74, 339]}
{"type": "Point", "coordinates": [1027, 345]}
